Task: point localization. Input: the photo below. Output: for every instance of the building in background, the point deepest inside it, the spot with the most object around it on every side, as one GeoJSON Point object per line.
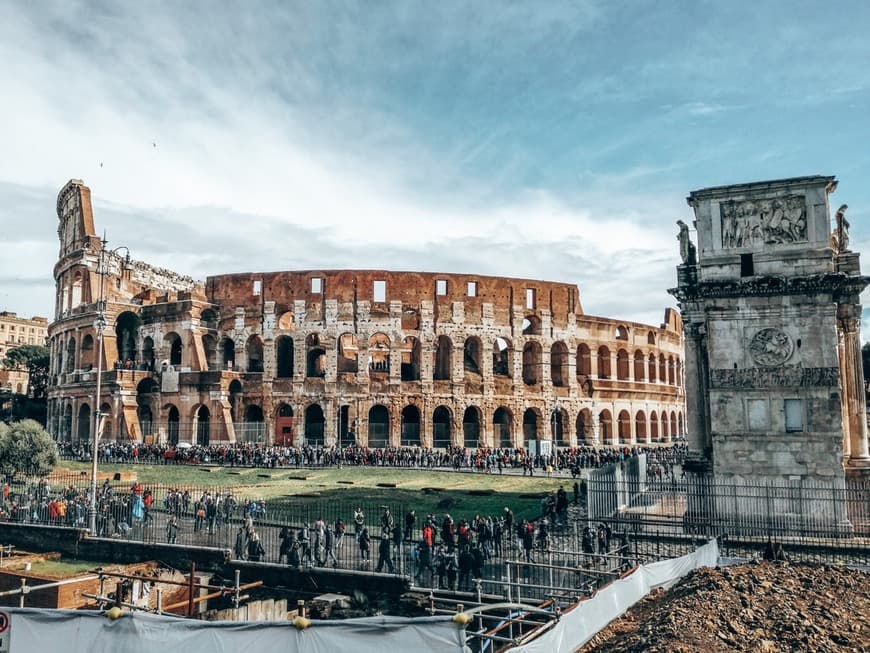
{"type": "Point", "coordinates": [14, 332]}
{"type": "Point", "coordinates": [378, 358]}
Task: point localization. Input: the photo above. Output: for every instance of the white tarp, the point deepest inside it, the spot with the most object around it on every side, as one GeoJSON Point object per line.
{"type": "Point", "coordinates": [35, 630]}
{"type": "Point", "coordinates": [583, 622]}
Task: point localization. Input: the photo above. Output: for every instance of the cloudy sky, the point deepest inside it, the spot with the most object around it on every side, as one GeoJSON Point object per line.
{"type": "Point", "coordinates": [553, 140]}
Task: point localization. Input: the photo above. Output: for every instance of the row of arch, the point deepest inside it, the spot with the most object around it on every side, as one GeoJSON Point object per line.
{"type": "Point", "coordinates": [221, 354]}
{"type": "Point", "coordinates": [386, 426]}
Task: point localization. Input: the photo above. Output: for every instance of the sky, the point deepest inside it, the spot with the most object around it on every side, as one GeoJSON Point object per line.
{"type": "Point", "coordinates": [553, 140]}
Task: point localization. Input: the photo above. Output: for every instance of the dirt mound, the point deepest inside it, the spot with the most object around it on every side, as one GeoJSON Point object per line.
{"type": "Point", "coordinates": [759, 607]}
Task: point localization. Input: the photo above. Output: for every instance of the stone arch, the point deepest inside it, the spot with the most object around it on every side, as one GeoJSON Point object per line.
{"type": "Point", "coordinates": [640, 427]}
{"type": "Point", "coordinates": [208, 319]}
{"type": "Point", "coordinates": [315, 358]}
{"type": "Point", "coordinates": [650, 338]}
{"type": "Point", "coordinates": [284, 354]}
{"type": "Point", "coordinates": [86, 355]}
{"type": "Point", "coordinates": [147, 398]}
{"type": "Point", "coordinates": [287, 321]}
{"type": "Point", "coordinates": [315, 425]}
{"type": "Point", "coordinates": [83, 423]}
{"type": "Point", "coordinates": [471, 427]}
{"type": "Point", "coordinates": [604, 362]}
{"type": "Point", "coordinates": [622, 372]}
{"type": "Point", "coordinates": [531, 422]}
{"type": "Point", "coordinates": [621, 333]}
{"type": "Point", "coordinates": [653, 427]}
{"type": "Point", "coordinates": [605, 427]}
{"type": "Point", "coordinates": [253, 429]}
{"type": "Point", "coordinates": [502, 428]}
{"type": "Point", "coordinates": [76, 289]}
{"type": "Point", "coordinates": [348, 354]}
{"type": "Point", "coordinates": [410, 436]}
{"type": "Point", "coordinates": [663, 369]}
{"type": "Point", "coordinates": [284, 425]}
{"type": "Point", "coordinates": [584, 360]}
{"type": "Point", "coordinates": [66, 431]}
{"type": "Point", "coordinates": [502, 365]}
{"type": "Point", "coordinates": [203, 426]}
{"type": "Point", "coordinates": [235, 391]}
{"type": "Point", "coordinates": [442, 427]}
{"type": "Point", "coordinates": [671, 371]}
{"type": "Point", "coordinates": [653, 375]}
{"type": "Point", "coordinates": [410, 353]}
{"type": "Point", "coordinates": [583, 427]}
{"type": "Point", "coordinates": [531, 325]}
{"type": "Point", "coordinates": [624, 427]}
{"type": "Point", "coordinates": [106, 430]}
{"type": "Point", "coordinates": [559, 364]}
{"type": "Point", "coordinates": [172, 341]}
{"type": "Point", "coordinates": [443, 355]}
{"type": "Point", "coordinates": [210, 349]}
{"type": "Point", "coordinates": [532, 363]}
{"type": "Point", "coordinates": [472, 351]}
{"type": "Point", "coordinates": [679, 371]}
{"type": "Point", "coordinates": [673, 431]}
{"type": "Point", "coordinates": [71, 355]}
{"type": "Point", "coordinates": [173, 423]}
{"type": "Point", "coordinates": [379, 353]}
{"type": "Point", "coordinates": [379, 426]}
{"type": "Point", "coordinates": [639, 366]}
{"type": "Point", "coordinates": [681, 429]}
{"type": "Point", "coordinates": [126, 331]}
{"type": "Point", "coordinates": [254, 350]}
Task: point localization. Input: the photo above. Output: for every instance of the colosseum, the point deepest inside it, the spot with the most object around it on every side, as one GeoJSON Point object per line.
{"type": "Point", "coordinates": [371, 357]}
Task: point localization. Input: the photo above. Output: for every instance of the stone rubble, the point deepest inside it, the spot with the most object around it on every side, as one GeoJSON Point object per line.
{"type": "Point", "coordinates": [759, 607]}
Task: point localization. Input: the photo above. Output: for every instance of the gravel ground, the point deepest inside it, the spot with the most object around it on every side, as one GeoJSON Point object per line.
{"type": "Point", "coordinates": [758, 607]}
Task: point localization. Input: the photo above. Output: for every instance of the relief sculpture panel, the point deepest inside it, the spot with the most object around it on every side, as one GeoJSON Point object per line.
{"type": "Point", "coordinates": [752, 223]}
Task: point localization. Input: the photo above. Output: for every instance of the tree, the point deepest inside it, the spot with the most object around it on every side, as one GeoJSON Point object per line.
{"type": "Point", "coordinates": [26, 447]}
{"type": "Point", "coordinates": [34, 359]}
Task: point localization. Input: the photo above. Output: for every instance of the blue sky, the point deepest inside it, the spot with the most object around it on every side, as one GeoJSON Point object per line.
{"type": "Point", "coordinates": [553, 140]}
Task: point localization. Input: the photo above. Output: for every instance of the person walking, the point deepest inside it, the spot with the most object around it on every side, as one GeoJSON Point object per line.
{"type": "Point", "coordinates": [384, 554]}
{"type": "Point", "coordinates": [255, 548]}
{"type": "Point", "coordinates": [172, 530]}
{"type": "Point", "coordinates": [364, 542]}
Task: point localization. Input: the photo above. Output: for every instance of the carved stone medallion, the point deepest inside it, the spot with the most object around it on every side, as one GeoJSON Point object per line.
{"type": "Point", "coordinates": [771, 347]}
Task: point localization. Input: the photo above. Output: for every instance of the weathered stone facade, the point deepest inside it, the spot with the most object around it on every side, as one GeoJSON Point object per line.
{"type": "Point", "coordinates": [770, 306]}
{"type": "Point", "coordinates": [327, 356]}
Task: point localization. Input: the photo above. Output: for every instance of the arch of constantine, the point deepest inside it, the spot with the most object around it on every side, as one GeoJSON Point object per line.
{"type": "Point", "coordinates": [327, 357]}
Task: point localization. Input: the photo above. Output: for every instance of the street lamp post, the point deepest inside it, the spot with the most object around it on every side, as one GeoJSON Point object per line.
{"type": "Point", "coordinates": [99, 326]}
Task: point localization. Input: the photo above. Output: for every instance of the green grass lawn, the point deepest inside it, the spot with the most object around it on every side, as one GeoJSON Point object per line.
{"type": "Point", "coordinates": [448, 491]}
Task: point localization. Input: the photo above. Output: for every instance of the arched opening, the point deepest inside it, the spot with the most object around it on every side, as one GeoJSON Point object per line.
{"type": "Point", "coordinates": [284, 426]}
{"type": "Point", "coordinates": [622, 365]}
{"type": "Point", "coordinates": [663, 426]}
{"type": "Point", "coordinates": [126, 328]}
{"type": "Point", "coordinates": [501, 428]}
{"type": "Point", "coordinates": [106, 431]}
{"type": "Point", "coordinates": [410, 359]}
{"type": "Point", "coordinates": [501, 358]}
{"type": "Point", "coordinates": [639, 366]}
{"type": "Point", "coordinates": [671, 371]}
{"type": "Point", "coordinates": [443, 355]}
{"type": "Point", "coordinates": [584, 360]}
{"type": "Point", "coordinates": [410, 426]}
{"type": "Point", "coordinates": [208, 319]}
{"type": "Point", "coordinates": [559, 364]}
{"type": "Point", "coordinates": [441, 431]}
{"type": "Point", "coordinates": [148, 353]}
{"type": "Point", "coordinates": [146, 420]}
{"type": "Point", "coordinates": [640, 427]}
{"type": "Point", "coordinates": [71, 355]}
{"type": "Point", "coordinates": [379, 426]}
{"type": "Point", "coordinates": [254, 349]}
{"type": "Point", "coordinates": [584, 427]}
{"type": "Point", "coordinates": [173, 419]}
{"type": "Point", "coordinates": [284, 357]}
{"type": "Point", "coordinates": [603, 362]}
{"type": "Point", "coordinates": [83, 424]}
{"type": "Point", "coordinates": [147, 396]}
{"type": "Point", "coordinates": [471, 427]}
{"type": "Point", "coordinates": [287, 321]}
{"type": "Point", "coordinates": [253, 429]}
{"type": "Point", "coordinates": [654, 427]}
{"type": "Point", "coordinates": [681, 429]}
{"type": "Point", "coordinates": [624, 426]}
{"type": "Point", "coordinates": [679, 372]}
{"type": "Point", "coordinates": [530, 425]}
{"type": "Point", "coordinates": [532, 363]}
{"type": "Point", "coordinates": [650, 338]}
{"type": "Point", "coordinates": [379, 354]}
{"type": "Point", "coordinates": [531, 325]}
{"type": "Point", "coordinates": [66, 432]}
{"type": "Point", "coordinates": [471, 352]}
{"type": "Point", "coordinates": [173, 340]}
{"type": "Point", "coordinates": [203, 426]}
{"type": "Point", "coordinates": [315, 358]}
{"type": "Point", "coordinates": [663, 369]}
{"type": "Point", "coordinates": [76, 290]}
{"type": "Point", "coordinates": [228, 348]}
{"type": "Point", "coordinates": [652, 368]}
{"type": "Point", "coordinates": [605, 427]}
{"type": "Point", "coordinates": [87, 353]}
{"type": "Point", "coordinates": [348, 354]}
{"type": "Point", "coordinates": [674, 431]}
{"type": "Point", "coordinates": [210, 350]}
{"type": "Point", "coordinates": [621, 333]}
{"type": "Point", "coordinates": [314, 425]}
{"type": "Point", "coordinates": [560, 433]}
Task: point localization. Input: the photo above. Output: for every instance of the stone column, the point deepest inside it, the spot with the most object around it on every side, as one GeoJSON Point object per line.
{"type": "Point", "coordinates": [852, 380]}
{"type": "Point", "coordinates": [697, 422]}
